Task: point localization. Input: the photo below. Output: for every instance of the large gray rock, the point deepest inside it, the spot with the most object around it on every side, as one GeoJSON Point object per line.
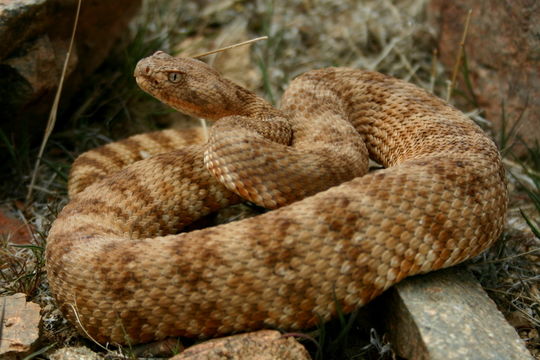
{"type": "Point", "coordinates": [446, 315]}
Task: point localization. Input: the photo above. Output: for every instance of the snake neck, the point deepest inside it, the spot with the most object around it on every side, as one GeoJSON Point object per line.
{"type": "Point", "coordinates": [241, 101]}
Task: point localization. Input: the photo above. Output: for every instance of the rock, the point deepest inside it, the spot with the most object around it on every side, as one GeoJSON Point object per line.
{"type": "Point", "coordinates": [34, 38]}
{"type": "Point", "coordinates": [503, 54]}
{"type": "Point", "coordinates": [14, 230]}
{"type": "Point", "coordinates": [259, 345]}
{"type": "Point", "coordinates": [447, 315]}
{"type": "Point", "coordinates": [19, 326]}
{"type": "Point", "coordinates": [79, 353]}
{"type": "Point", "coordinates": [161, 348]}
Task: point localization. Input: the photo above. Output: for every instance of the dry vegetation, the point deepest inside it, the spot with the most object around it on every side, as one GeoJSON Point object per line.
{"type": "Point", "coordinates": [388, 36]}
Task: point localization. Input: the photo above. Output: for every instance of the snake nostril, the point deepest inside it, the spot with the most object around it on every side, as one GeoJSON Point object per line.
{"type": "Point", "coordinates": [147, 70]}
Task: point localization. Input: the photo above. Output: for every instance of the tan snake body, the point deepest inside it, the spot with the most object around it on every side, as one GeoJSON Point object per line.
{"type": "Point", "coordinates": [114, 255]}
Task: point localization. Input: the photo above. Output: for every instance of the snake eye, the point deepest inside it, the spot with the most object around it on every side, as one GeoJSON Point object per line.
{"type": "Point", "coordinates": [174, 77]}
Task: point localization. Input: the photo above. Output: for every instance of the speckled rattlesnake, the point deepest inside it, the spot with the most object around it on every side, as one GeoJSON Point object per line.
{"type": "Point", "coordinates": [113, 253]}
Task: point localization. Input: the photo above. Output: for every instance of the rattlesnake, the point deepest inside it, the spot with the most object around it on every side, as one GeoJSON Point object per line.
{"type": "Point", "coordinates": [118, 268]}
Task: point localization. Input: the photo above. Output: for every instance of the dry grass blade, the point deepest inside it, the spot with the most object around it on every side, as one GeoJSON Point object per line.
{"type": "Point", "coordinates": [433, 74]}
{"type": "Point", "coordinates": [229, 47]}
{"type": "Point", "coordinates": [458, 57]}
{"type": "Point", "coordinates": [54, 109]}
{"type": "Point", "coordinates": [512, 257]}
{"type": "Point", "coordinates": [2, 317]}
{"type": "Point", "coordinates": [76, 312]}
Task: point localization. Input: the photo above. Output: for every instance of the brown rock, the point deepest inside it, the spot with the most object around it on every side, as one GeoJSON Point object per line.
{"type": "Point", "coordinates": [17, 23]}
{"type": "Point", "coordinates": [42, 63]}
{"type": "Point", "coordinates": [14, 230]}
{"type": "Point", "coordinates": [259, 345]}
{"type": "Point", "coordinates": [34, 38]}
{"type": "Point", "coordinates": [20, 325]}
{"type": "Point", "coordinates": [503, 53]}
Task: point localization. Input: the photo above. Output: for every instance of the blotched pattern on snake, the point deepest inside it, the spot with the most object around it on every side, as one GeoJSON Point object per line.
{"type": "Point", "coordinates": [337, 237]}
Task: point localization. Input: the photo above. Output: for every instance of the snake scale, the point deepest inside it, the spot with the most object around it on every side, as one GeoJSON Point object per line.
{"type": "Point", "coordinates": [120, 267]}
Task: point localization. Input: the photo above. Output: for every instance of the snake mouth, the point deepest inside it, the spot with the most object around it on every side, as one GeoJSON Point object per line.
{"type": "Point", "coordinates": [147, 84]}
{"type": "Point", "coordinates": [152, 86]}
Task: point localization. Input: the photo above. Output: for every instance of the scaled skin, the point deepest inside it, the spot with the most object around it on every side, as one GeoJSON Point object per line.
{"type": "Point", "coordinates": [114, 253]}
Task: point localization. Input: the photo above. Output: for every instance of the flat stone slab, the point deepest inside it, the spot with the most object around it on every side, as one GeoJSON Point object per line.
{"type": "Point", "coordinates": [19, 326]}
{"type": "Point", "coordinates": [447, 315]}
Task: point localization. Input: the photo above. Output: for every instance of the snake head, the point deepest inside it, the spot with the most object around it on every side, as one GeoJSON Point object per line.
{"type": "Point", "coordinates": [190, 86]}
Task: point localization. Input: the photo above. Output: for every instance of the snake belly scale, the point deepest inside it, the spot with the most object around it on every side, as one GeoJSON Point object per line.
{"type": "Point", "coordinates": [337, 237]}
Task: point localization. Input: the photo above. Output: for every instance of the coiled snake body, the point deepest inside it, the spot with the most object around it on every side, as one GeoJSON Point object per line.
{"type": "Point", "coordinates": [114, 255]}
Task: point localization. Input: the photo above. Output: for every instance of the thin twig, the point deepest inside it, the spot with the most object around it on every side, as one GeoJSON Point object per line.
{"type": "Point", "coordinates": [229, 47]}
{"type": "Point", "coordinates": [459, 57]}
{"type": "Point", "coordinates": [54, 109]}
